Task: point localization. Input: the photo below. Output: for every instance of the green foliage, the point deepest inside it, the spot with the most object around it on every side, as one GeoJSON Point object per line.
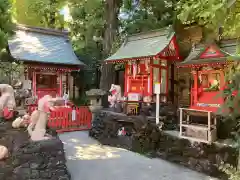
{"type": "Point", "coordinates": [6, 25]}
{"type": "Point", "coordinates": [43, 13]}
{"type": "Point", "coordinates": [230, 109]}
{"type": "Point", "coordinates": [10, 71]}
{"type": "Point", "coordinates": [230, 93]}
{"type": "Point", "coordinates": [87, 28]}
{"type": "Point", "coordinates": [147, 15]}
{"type": "Point", "coordinates": [211, 14]}
{"type": "Point", "coordinates": [81, 101]}
{"type": "Point", "coordinates": [88, 22]}
{"type": "Point", "coordinates": [232, 172]}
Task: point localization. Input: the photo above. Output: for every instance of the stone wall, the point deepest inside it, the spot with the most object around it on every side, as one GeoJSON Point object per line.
{"type": "Point", "coordinates": [31, 160]}
{"type": "Point", "coordinates": [148, 140]}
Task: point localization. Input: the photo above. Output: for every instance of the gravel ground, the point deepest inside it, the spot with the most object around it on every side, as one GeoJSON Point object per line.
{"type": "Point", "coordinates": [88, 160]}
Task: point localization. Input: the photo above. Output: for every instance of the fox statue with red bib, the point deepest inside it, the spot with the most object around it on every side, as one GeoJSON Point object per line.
{"type": "Point", "coordinates": [7, 101]}
{"type": "Point", "coordinates": [7, 106]}
{"type": "Point", "coordinates": [115, 95]}
{"type": "Point", "coordinates": [39, 117]}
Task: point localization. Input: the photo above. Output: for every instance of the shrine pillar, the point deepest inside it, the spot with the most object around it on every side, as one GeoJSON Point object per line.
{"type": "Point", "coordinates": [34, 83]}
{"type": "Point", "coordinates": [195, 87]}
{"type": "Point", "coordinates": [60, 92]}
{"type": "Point", "coordinates": [67, 83]}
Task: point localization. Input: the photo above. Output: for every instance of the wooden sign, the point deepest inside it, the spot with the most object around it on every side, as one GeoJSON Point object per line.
{"type": "Point", "coordinates": [133, 96]}
{"type": "Point", "coordinates": [157, 88]}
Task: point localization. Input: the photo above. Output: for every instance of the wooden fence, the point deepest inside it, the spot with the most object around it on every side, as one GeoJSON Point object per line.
{"type": "Point", "coordinates": [67, 119]}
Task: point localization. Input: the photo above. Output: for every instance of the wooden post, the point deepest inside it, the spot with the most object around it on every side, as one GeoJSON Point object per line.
{"type": "Point", "coordinates": [172, 83]}
{"type": "Point", "coordinates": [181, 119]}
{"type": "Point", "coordinates": [74, 87]}
{"type": "Point", "coordinates": [60, 85]}
{"type": "Point", "coordinates": [188, 118]}
{"type": "Point", "coordinates": [209, 126]}
{"type": "Point", "coordinates": [67, 83]}
{"type": "Point", "coordinates": [34, 83]}
{"type": "Point", "coordinates": [195, 95]}
{"type": "Point", "coordinates": [157, 89]}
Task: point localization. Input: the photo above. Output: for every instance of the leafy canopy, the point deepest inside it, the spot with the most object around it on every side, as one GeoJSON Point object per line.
{"type": "Point", "coordinates": [211, 14]}
{"type": "Point", "coordinates": [44, 13]}
{"type": "Point", "coordinates": [5, 22]}
{"type": "Point", "coordinates": [87, 28]}
{"type": "Point", "coordinates": [145, 15]}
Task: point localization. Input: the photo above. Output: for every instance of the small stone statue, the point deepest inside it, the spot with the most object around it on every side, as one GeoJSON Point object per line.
{"type": "Point", "coordinates": [39, 117]}
{"type": "Point", "coordinates": [21, 121]}
{"type": "Point", "coordinates": [3, 152]}
{"type": "Point", "coordinates": [7, 99]}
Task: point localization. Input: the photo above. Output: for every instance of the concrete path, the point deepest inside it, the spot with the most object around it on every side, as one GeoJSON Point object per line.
{"type": "Point", "coordinates": [88, 160]}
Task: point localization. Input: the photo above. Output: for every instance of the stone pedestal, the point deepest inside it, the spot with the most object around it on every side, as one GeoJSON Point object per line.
{"type": "Point", "coordinates": [95, 97]}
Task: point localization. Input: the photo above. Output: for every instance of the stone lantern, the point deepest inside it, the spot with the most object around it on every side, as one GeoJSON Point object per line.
{"type": "Point", "coordinates": [95, 97]}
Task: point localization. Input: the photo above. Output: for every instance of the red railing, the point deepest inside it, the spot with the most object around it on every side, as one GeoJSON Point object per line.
{"type": "Point", "coordinates": [67, 119]}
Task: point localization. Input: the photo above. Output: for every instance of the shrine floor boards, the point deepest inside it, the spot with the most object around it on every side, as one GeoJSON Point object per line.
{"type": "Point", "coordinates": [88, 160]}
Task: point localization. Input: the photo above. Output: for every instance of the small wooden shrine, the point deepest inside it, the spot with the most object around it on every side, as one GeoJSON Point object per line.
{"type": "Point", "coordinates": [47, 58]}
{"type": "Point", "coordinates": [148, 59]}
{"type": "Point", "coordinates": [208, 67]}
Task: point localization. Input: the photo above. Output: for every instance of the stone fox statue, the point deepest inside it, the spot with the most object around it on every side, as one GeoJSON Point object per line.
{"type": "Point", "coordinates": [7, 100]}
{"type": "Point", "coordinates": [115, 95]}
{"type": "Point", "coordinates": [39, 117]}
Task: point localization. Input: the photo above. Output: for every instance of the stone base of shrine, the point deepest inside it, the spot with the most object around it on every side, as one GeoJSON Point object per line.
{"type": "Point", "coordinates": [31, 160]}
{"type": "Point", "coordinates": [147, 139]}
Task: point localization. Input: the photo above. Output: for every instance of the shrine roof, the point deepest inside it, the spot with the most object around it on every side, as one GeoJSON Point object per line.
{"type": "Point", "coordinates": [42, 45]}
{"type": "Point", "coordinates": [210, 53]}
{"type": "Point", "coordinates": [143, 45]}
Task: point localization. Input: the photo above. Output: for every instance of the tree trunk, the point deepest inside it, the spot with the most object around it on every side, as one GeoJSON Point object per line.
{"type": "Point", "coordinates": [111, 15]}
{"type": "Point", "coordinates": [238, 164]}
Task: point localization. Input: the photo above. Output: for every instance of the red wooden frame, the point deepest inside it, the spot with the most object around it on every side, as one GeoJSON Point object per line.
{"type": "Point", "coordinates": [47, 91]}
{"type": "Point", "coordinates": [214, 52]}
{"type": "Point", "coordinates": [40, 92]}
{"type": "Point", "coordinates": [210, 99]}
{"type": "Point", "coordinates": [128, 78]}
{"type": "Point", "coordinates": [52, 67]}
{"type": "Point", "coordinates": [61, 118]}
{"type": "Point", "coordinates": [169, 53]}
{"type": "Point", "coordinates": [175, 57]}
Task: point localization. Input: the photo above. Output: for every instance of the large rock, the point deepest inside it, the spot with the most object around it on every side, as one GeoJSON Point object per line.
{"type": "Point", "coordinates": [147, 138]}
{"type": "Point", "coordinates": [31, 160]}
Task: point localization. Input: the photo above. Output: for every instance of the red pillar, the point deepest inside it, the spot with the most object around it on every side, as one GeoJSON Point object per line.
{"type": "Point", "coordinates": [195, 87]}
{"type": "Point", "coordinates": [126, 83]}
{"type": "Point", "coordinates": [67, 83]}
{"type": "Point", "coordinates": [34, 83]}
{"type": "Point", "coordinates": [60, 85]}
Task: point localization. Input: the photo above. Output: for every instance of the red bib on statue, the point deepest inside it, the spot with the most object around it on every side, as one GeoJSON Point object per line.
{"type": "Point", "coordinates": [113, 91]}
{"type": "Point", "coordinates": [7, 114]}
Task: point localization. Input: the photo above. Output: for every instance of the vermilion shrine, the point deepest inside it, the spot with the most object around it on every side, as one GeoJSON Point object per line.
{"type": "Point", "coordinates": [47, 58]}
{"type": "Point", "coordinates": [148, 59]}
{"type": "Point", "coordinates": [208, 65]}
